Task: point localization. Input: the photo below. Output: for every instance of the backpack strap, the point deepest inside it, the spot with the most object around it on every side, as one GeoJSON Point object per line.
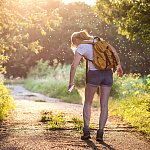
{"type": "Point", "coordinates": [87, 68]}
{"type": "Point", "coordinates": [97, 38]}
{"type": "Point", "coordinates": [88, 42]}
{"type": "Point", "coordinates": [87, 63]}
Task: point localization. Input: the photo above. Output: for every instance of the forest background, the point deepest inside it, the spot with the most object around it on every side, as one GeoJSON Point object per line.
{"type": "Point", "coordinates": [37, 29]}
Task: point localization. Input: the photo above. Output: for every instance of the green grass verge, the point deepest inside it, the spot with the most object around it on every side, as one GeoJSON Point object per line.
{"type": "Point", "coordinates": [53, 88]}
{"type": "Point", "coordinates": [135, 110]}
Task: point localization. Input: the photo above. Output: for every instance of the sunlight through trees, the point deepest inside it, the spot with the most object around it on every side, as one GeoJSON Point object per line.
{"type": "Point", "coordinates": [37, 29]}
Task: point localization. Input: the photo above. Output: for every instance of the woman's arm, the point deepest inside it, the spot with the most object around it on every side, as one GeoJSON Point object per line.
{"type": "Point", "coordinates": [115, 53]}
{"type": "Point", "coordinates": [119, 68]}
{"type": "Point", "coordinates": [75, 63]}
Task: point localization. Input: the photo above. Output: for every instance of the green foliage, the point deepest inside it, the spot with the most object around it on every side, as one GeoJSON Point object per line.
{"type": "Point", "coordinates": [130, 16]}
{"type": "Point", "coordinates": [135, 110]}
{"type": "Point", "coordinates": [42, 69]}
{"type": "Point", "coordinates": [53, 88]}
{"type": "Point", "coordinates": [6, 102]}
{"type": "Point", "coordinates": [47, 26]}
{"type": "Point", "coordinates": [52, 81]}
{"type": "Point", "coordinates": [46, 116]}
{"type": "Point", "coordinates": [80, 76]}
{"type": "Point", "coordinates": [133, 100]}
{"type": "Point", "coordinates": [22, 24]}
{"type": "Point", "coordinates": [58, 121]}
{"type": "Point", "coordinates": [39, 100]}
{"type": "Point", "coordinates": [55, 121]}
{"type": "Point", "coordinates": [78, 124]}
{"type": "Point", "coordinates": [128, 85]}
{"type": "Point", "coordinates": [148, 83]}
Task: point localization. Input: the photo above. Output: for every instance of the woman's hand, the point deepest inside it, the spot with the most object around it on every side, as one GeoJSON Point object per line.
{"type": "Point", "coordinates": [119, 71]}
{"type": "Point", "coordinates": [70, 88]}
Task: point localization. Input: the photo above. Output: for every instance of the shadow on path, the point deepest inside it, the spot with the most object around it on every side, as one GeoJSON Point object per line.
{"type": "Point", "coordinates": [94, 147]}
{"type": "Point", "coordinates": [106, 145]}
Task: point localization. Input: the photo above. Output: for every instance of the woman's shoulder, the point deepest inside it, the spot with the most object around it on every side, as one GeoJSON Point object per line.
{"type": "Point", "coordinates": [81, 47]}
{"type": "Point", "coordinates": [84, 48]}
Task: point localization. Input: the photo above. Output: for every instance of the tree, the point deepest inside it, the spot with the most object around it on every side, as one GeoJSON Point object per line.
{"type": "Point", "coordinates": [130, 16]}
{"type": "Point", "coordinates": [22, 26]}
{"type": "Point", "coordinates": [55, 43]}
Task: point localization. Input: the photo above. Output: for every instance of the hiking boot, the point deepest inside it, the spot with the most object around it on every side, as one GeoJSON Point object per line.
{"type": "Point", "coordinates": [99, 136]}
{"type": "Point", "coordinates": [86, 134]}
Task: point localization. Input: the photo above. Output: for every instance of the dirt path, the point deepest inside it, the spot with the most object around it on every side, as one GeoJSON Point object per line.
{"type": "Point", "coordinates": [24, 131]}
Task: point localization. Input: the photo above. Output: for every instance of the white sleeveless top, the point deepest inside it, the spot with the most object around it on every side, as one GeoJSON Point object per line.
{"type": "Point", "coordinates": [86, 50]}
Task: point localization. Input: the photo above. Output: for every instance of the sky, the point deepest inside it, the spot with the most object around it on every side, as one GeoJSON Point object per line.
{"type": "Point", "coordinates": [90, 2]}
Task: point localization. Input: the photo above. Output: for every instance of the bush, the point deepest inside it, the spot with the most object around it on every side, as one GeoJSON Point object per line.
{"type": "Point", "coordinates": [6, 102]}
{"type": "Point", "coordinates": [128, 85]}
{"type": "Point", "coordinates": [148, 83]}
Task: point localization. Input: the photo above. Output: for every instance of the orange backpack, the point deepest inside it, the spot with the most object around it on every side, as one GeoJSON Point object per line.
{"type": "Point", "coordinates": [103, 58]}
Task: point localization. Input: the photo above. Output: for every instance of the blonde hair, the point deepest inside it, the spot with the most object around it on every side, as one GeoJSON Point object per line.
{"type": "Point", "coordinates": [82, 35]}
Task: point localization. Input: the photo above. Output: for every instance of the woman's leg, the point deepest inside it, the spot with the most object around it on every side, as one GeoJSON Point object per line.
{"type": "Point", "coordinates": [105, 91]}
{"type": "Point", "coordinates": [89, 94]}
{"type": "Point", "coordinates": [104, 95]}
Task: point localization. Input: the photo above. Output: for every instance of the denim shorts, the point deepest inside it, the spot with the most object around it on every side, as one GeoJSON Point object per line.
{"type": "Point", "coordinates": [100, 77]}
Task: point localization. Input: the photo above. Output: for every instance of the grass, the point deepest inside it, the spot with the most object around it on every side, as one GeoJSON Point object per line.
{"type": "Point", "coordinates": [46, 116]}
{"type": "Point", "coordinates": [77, 123]}
{"type": "Point", "coordinates": [134, 110]}
{"type": "Point", "coordinates": [54, 88]}
{"type": "Point", "coordinates": [59, 121]}
{"type": "Point", "coordinates": [39, 100]}
{"type": "Point", "coordinates": [55, 121]}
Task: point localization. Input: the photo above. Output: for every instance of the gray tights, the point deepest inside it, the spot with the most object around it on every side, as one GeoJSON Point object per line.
{"type": "Point", "coordinates": [89, 94]}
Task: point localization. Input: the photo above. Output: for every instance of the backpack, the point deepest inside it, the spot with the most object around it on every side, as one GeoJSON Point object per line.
{"type": "Point", "coordinates": [103, 58]}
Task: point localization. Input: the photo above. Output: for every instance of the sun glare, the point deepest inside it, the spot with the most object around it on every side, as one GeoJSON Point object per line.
{"type": "Point", "coordinates": [89, 2]}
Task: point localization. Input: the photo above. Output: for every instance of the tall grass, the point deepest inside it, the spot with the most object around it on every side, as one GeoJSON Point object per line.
{"type": "Point", "coordinates": [134, 110]}
{"type": "Point", "coordinates": [131, 100]}
{"type": "Point", "coordinates": [53, 88]}
{"type": "Point", "coordinates": [53, 82]}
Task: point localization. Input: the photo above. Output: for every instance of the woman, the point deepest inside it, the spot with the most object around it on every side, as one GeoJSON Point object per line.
{"type": "Point", "coordinates": [95, 78]}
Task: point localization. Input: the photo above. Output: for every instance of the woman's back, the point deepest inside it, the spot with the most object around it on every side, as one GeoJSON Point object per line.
{"type": "Point", "coordinates": [86, 50]}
